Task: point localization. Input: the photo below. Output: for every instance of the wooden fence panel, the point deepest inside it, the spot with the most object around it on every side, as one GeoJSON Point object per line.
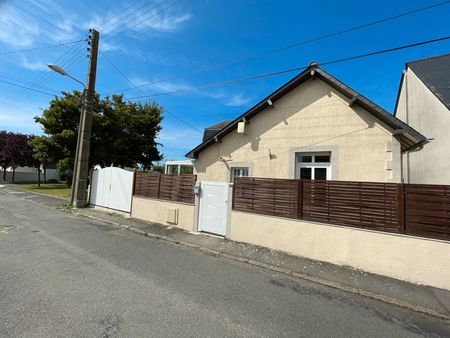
{"type": "Point", "coordinates": [268, 196]}
{"type": "Point", "coordinates": [427, 210]}
{"type": "Point", "coordinates": [179, 188]}
{"type": "Point", "coordinates": [360, 204]}
{"type": "Point", "coordinates": [147, 185]}
{"type": "Point", "coordinates": [414, 209]}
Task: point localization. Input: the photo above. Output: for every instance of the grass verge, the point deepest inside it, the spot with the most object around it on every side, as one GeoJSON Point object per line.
{"type": "Point", "coordinates": [56, 189]}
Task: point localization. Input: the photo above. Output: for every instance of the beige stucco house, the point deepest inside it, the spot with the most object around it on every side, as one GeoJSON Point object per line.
{"type": "Point", "coordinates": [313, 127]}
{"type": "Point", "coordinates": [424, 103]}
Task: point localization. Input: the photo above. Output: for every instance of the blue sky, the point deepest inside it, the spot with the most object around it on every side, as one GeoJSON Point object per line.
{"type": "Point", "coordinates": [156, 40]}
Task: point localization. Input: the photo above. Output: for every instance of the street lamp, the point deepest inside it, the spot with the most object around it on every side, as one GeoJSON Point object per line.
{"type": "Point", "coordinates": [76, 168]}
{"type": "Point", "coordinates": [61, 71]}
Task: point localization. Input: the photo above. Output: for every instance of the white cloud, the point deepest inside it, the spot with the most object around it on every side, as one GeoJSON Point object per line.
{"type": "Point", "coordinates": [181, 137]}
{"type": "Point", "coordinates": [26, 25]}
{"type": "Point", "coordinates": [138, 21]}
{"type": "Point", "coordinates": [33, 65]}
{"type": "Point", "coordinates": [165, 23]}
{"type": "Point", "coordinates": [108, 47]}
{"type": "Point", "coordinates": [17, 31]}
{"type": "Point", "coordinates": [161, 87]}
{"type": "Point", "coordinates": [238, 100]}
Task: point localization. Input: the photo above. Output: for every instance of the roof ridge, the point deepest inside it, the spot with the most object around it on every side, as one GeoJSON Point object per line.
{"type": "Point", "coordinates": [373, 108]}
{"type": "Point", "coordinates": [428, 58]}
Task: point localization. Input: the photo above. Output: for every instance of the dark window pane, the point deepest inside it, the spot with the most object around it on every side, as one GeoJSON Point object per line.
{"type": "Point", "coordinates": [322, 158]}
{"type": "Point", "coordinates": [305, 173]}
{"type": "Point", "coordinates": [239, 172]}
{"type": "Point", "coordinates": [320, 173]}
{"type": "Point", "coordinates": [186, 169]}
{"type": "Point", "coordinates": [305, 159]}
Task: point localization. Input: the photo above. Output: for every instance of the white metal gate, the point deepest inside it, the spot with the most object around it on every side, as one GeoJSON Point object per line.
{"type": "Point", "coordinates": [213, 208]}
{"type": "Point", "coordinates": [112, 188]}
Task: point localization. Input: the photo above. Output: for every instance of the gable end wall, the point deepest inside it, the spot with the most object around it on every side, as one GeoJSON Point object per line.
{"type": "Point", "coordinates": [313, 117]}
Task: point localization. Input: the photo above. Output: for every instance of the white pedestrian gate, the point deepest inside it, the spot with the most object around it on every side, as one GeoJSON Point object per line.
{"type": "Point", "coordinates": [112, 188]}
{"type": "Point", "coordinates": [213, 208]}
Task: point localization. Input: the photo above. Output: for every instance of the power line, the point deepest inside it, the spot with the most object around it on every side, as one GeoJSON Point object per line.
{"type": "Point", "coordinates": [294, 45]}
{"type": "Point", "coordinates": [68, 57]}
{"type": "Point", "coordinates": [284, 71]}
{"type": "Point", "coordinates": [105, 27]}
{"type": "Point", "coordinates": [40, 48]}
{"type": "Point", "coordinates": [42, 78]}
{"type": "Point", "coordinates": [145, 19]}
{"type": "Point", "coordinates": [111, 25]}
{"type": "Point", "coordinates": [16, 79]}
{"type": "Point", "coordinates": [133, 84]}
{"type": "Point", "coordinates": [27, 88]}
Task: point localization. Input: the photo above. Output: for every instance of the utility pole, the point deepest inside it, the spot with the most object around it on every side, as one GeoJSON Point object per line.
{"type": "Point", "coordinates": [81, 169]}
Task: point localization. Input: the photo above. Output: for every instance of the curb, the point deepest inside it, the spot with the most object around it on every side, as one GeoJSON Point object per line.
{"type": "Point", "coordinates": [335, 285]}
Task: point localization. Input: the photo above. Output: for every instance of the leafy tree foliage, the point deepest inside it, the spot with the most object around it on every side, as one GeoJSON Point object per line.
{"type": "Point", "coordinates": [123, 133]}
{"type": "Point", "coordinates": [15, 151]}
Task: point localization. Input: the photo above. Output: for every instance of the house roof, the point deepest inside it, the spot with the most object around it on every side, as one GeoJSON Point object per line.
{"type": "Point", "coordinates": [408, 136]}
{"type": "Point", "coordinates": [434, 72]}
{"type": "Point", "coordinates": [214, 129]}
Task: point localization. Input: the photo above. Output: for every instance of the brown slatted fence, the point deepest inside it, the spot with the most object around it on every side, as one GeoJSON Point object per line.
{"type": "Point", "coordinates": [276, 197]}
{"type": "Point", "coordinates": [369, 205]}
{"type": "Point", "coordinates": [427, 210]}
{"type": "Point", "coordinates": [179, 188]}
{"type": "Point", "coordinates": [359, 204]}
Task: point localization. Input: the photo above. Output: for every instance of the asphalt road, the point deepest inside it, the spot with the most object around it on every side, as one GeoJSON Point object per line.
{"type": "Point", "coordinates": [65, 276]}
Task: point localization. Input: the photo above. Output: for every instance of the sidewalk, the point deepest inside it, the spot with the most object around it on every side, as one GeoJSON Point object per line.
{"type": "Point", "coordinates": [419, 298]}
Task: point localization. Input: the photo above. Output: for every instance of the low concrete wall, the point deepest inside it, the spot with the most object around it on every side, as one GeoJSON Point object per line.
{"type": "Point", "coordinates": [154, 210]}
{"type": "Point", "coordinates": [421, 261]}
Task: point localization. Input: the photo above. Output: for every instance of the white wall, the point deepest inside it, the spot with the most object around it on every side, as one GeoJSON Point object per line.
{"type": "Point", "coordinates": [417, 260]}
{"type": "Point", "coordinates": [422, 110]}
{"type": "Point", "coordinates": [29, 175]}
{"type": "Point", "coordinates": [313, 117]}
{"type": "Point", "coordinates": [155, 210]}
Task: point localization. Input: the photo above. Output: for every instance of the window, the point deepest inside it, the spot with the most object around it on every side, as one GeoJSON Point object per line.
{"type": "Point", "coordinates": [238, 172]}
{"type": "Point", "coordinates": [314, 166]}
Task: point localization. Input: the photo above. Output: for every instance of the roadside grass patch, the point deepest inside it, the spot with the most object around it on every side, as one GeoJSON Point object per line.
{"type": "Point", "coordinates": [54, 189]}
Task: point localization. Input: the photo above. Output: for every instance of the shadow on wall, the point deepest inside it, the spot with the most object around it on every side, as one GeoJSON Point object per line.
{"type": "Point", "coordinates": [300, 98]}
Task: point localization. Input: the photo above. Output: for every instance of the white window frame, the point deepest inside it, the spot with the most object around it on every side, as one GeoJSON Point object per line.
{"type": "Point", "coordinates": [232, 169]}
{"type": "Point", "coordinates": [313, 164]}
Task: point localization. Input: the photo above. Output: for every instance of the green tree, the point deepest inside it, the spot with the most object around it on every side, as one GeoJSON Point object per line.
{"type": "Point", "coordinates": [123, 133]}
{"type": "Point", "coordinates": [43, 152]}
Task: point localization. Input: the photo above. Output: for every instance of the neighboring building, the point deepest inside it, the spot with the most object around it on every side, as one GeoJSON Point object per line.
{"type": "Point", "coordinates": [214, 129]}
{"type": "Point", "coordinates": [424, 103]}
{"type": "Point", "coordinates": [178, 167]}
{"type": "Point", "coordinates": [313, 127]}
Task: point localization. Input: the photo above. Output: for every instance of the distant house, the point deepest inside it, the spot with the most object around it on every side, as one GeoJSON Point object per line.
{"type": "Point", "coordinates": [214, 129]}
{"type": "Point", "coordinates": [423, 102]}
{"type": "Point", "coordinates": [313, 127]}
{"type": "Point", "coordinates": [178, 167]}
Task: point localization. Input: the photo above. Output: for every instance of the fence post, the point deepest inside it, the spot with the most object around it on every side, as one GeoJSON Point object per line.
{"type": "Point", "coordinates": [159, 186]}
{"type": "Point", "coordinates": [300, 199]}
{"type": "Point", "coordinates": [401, 208]}
{"type": "Point", "coordinates": [233, 191]}
{"type": "Point", "coordinates": [133, 191]}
